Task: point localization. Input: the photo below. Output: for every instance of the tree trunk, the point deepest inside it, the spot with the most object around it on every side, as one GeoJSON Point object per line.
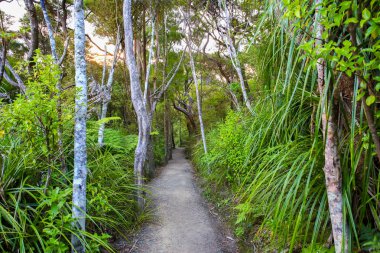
{"type": "Point", "coordinates": [167, 131]}
{"type": "Point", "coordinates": [107, 91]}
{"type": "Point", "coordinates": [33, 20]}
{"type": "Point", "coordinates": [80, 153]}
{"type": "Point", "coordinates": [233, 55]}
{"type": "Point", "coordinates": [137, 101]}
{"type": "Point", "coordinates": [332, 168]}
{"type": "Point", "coordinates": [195, 79]}
{"type": "Point", "coordinates": [50, 31]}
{"type": "Point", "coordinates": [172, 138]}
{"type": "Point", "coordinates": [199, 105]}
{"type": "Point", "coordinates": [150, 163]}
{"type": "Point", "coordinates": [59, 83]}
{"type": "Point", "coordinates": [148, 66]}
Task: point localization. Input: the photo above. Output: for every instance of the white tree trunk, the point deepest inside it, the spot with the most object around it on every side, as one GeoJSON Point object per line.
{"type": "Point", "coordinates": [107, 91]}
{"type": "Point", "coordinates": [149, 165]}
{"type": "Point", "coordinates": [188, 34]}
{"type": "Point", "coordinates": [199, 105]}
{"type": "Point", "coordinates": [50, 31]}
{"type": "Point", "coordinates": [80, 153]}
{"type": "Point", "coordinates": [332, 168]}
{"type": "Point", "coordinates": [137, 101]}
{"type": "Point", "coordinates": [151, 49]}
{"type": "Point", "coordinates": [233, 55]}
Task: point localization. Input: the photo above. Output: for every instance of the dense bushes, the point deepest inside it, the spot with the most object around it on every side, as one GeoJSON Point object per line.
{"type": "Point", "coordinates": [273, 173]}
{"type": "Point", "coordinates": [35, 213]}
{"type": "Point", "coordinates": [37, 219]}
{"type": "Point", "coordinates": [271, 163]}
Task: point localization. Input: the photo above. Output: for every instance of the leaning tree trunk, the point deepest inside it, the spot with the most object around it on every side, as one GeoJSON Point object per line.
{"type": "Point", "coordinates": [137, 101]}
{"type": "Point", "coordinates": [80, 154]}
{"type": "Point", "coordinates": [199, 105]}
{"type": "Point", "coordinates": [233, 55]}
{"type": "Point", "coordinates": [59, 82]}
{"type": "Point", "coordinates": [195, 79]}
{"type": "Point", "coordinates": [332, 168]}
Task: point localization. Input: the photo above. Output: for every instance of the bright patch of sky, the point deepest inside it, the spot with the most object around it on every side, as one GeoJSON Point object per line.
{"type": "Point", "coordinates": [16, 9]}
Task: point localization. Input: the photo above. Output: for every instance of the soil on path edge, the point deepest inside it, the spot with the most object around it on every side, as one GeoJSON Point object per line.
{"type": "Point", "coordinates": [182, 222]}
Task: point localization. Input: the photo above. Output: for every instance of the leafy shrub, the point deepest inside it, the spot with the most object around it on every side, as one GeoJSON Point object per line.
{"type": "Point", "coordinates": [35, 215]}
{"type": "Point", "coordinates": [226, 155]}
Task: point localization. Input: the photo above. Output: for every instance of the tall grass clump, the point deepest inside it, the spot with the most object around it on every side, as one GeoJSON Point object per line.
{"type": "Point", "coordinates": [35, 191]}
{"type": "Point", "coordinates": [272, 162]}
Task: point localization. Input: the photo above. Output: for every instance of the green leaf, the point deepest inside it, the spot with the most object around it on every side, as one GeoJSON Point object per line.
{"type": "Point", "coordinates": [362, 22]}
{"type": "Point", "coordinates": [345, 5]}
{"type": "Point", "coordinates": [351, 20]}
{"type": "Point", "coordinates": [347, 43]}
{"type": "Point", "coordinates": [373, 30]}
{"type": "Point", "coordinates": [370, 100]}
{"type": "Point", "coordinates": [297, 12]}
{"type": "Point", "coordinates": [108, 119]}
{"type": "Point", "coordinates": [360, 95]}
{"type": "Point", "coordinates": [366, 14]}
{"type": "Point", "coordinates": [376, 20]}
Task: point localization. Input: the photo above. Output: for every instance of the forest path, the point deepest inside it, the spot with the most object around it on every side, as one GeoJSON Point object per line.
{"type": "Point", "coordinates": [182, 222]}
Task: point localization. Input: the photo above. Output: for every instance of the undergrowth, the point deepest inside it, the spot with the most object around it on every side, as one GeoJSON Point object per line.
{"type": "Point", "coordinates": [36, 191]}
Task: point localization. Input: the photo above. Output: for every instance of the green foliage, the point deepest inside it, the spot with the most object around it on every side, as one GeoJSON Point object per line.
{"type": "Point", "coordinates": [356, 49]}
{"type": "Point", "coordinates": [226, 150]}
{"type": "Point", "coordinates": [33, 115]}
{"type": "Point", "coordinates": [32, 220]}
{"type": "Point", "coordinates": [272, 162]}
{"type": "Point", "coordinates": [35, 218]}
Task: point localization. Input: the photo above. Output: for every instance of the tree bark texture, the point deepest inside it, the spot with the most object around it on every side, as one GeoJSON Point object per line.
{"type": "Point", "coordinates": [233, 55]}
{"type": "Point", "coordinates": [137, 101]}
{"type": "Point", "coordinates": [80, 152]}
{"type": "Point", "coordinates": [332, 167]}
{"type": "Point", "coordinates": [50, 31]}
{"type": "Point", "coordinates": [33, 21]}
{"type": "Point", "coordinates": [107, 91]}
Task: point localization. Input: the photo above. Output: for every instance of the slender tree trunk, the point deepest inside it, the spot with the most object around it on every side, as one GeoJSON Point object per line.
{"type": "Point", "coordinates": [199, 105]}
{"type": "Point", "coordinates": [80, 152]}
{"type": "Point", "coordinates": [371, 125]}
{"type": "Point", "coordinates": [195, 79]}
{"type": "Point", "coordinates": [50, 31]}
{"type": "Point", "coordinates": [33, 20]}
{"type": "Point", "coordinates": [167, 131]}
{"type": "Point", "coordinates": [148, 66]}
{"type": "Point", "coordinates": [107, 92]}
{"type": "Point", "coordinates": [367, 110]}
{"type": "Point", "coordinates": [59, 82]}
{"type": "Point", "coordinates": [102, 125]}
{"type": "Point", "coordinates": [233, 55]}
{"type": "Point", "coordinates": [332, 168]}
{"type": "Point", "coordinates": [156, 59]}
{"type": "Point", "coordinates": [137, 101]}
{"type": "Point", "coordinates": [172, 138]}
{"type": "Point", "coordinates": [149, 165]}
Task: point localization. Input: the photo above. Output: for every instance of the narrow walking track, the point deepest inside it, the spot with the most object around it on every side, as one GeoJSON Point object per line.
{"type": "Point", "coordinates": [182, 222]}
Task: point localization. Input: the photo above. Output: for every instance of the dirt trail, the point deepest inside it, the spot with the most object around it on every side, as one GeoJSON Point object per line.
{"type": "Point", "coordinates": [182, 222]}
